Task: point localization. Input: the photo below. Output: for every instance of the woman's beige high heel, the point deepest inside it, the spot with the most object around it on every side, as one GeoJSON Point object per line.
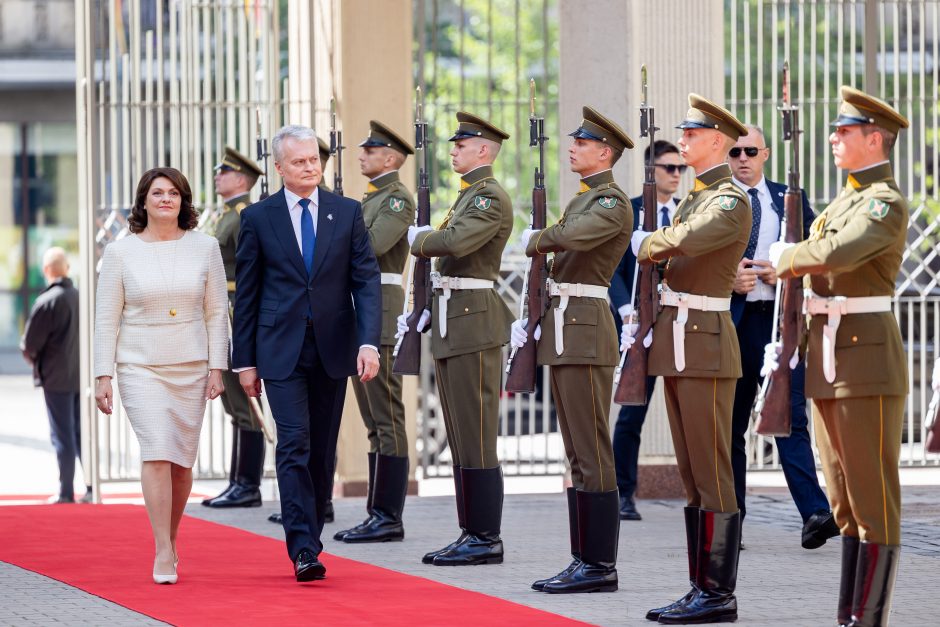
{"type": "Point", "coordinates": [170, 579]}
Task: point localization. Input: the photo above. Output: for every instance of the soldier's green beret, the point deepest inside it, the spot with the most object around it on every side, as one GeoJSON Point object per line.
{"type": "Point", "coordinates": [236, 161]}
{"type": "Point", "coordinates": [469, 125]}
{"type": "Point", "coordinates": [599, 128]}
{"type": "Point", "coordinates": [324, 151]}
{"type": "Point", "coordinates": [381, 135]}
{"type": "Point", "coordinates": [859, 108]}
{"type": "Point", "coordinates": [704, 113]}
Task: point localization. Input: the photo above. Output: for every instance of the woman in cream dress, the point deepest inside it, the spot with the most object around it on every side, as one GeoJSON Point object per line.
{"type": "Point", "coordinates": [161, 316]}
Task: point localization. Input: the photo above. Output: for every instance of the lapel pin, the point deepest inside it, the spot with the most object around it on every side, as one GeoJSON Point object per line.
{"type": "Point", "coordinates": [329, 216]}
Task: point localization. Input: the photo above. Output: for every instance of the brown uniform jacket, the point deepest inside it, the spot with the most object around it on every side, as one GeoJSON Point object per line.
{"type": "Point", "coordinates": [470, 243]}
{"type": "Point", "coordinates": [388, 210]}
{"type": "Point", "coordinates": [588, 242]}
{"type": "Point", "coordinates": [703, 248]}
{"type": "Point", "coordinates": [226, 231]}
{"type": "Point", "coordinates": [854, 249]}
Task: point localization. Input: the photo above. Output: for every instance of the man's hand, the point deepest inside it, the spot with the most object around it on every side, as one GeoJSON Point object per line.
{"type": "Point", "coordinates": [636, 240]}
{"type": "Point", "coordinates": [367, 363]}
{"type": "Point", "coordinates": [627, 336]}
{"type": "Point", "coordinates": [104, 397]}
{"type": "Point", "coordinates": [745, 279]}
{"type": "Point", "coordinates": [776, 251]}
{"type": "Point", "coordinates": [401, 323]}
{"type": "Point", "coordinates": [771, 358]}
{"type": "Point", "coordinates": [250, 382]}
{"type": "Point", "coordinates": [518, 335]}
{"type": "Point", "coordinates": [525, 237]}
{"type": "Point", "coordinates": [765, 271]}
{"type": "Point", "coordinates": [414, 230]}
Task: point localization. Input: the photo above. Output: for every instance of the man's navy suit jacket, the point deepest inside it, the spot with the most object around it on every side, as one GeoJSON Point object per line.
{"type": "Point", "coordinates": [274, 296]}
{"type": "Point", "coordinates": [777, 192]}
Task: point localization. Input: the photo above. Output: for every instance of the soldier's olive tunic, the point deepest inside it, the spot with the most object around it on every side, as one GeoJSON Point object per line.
{"type": "Point", "coordinates": [854, 249]}
{"type": "Point", "coordinates": [588, 242]}
{"type": "Point", "coordinates": [234, 399]}
{"type": "Point", "coordinates": [388, 210]}
{"type": "Point", "coordinates": [703, 248]}
{"type": "Point", "coordinates": [470, 243]}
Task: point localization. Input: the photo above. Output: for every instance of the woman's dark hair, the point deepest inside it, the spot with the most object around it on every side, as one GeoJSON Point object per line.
{"type": "Point", "coordinates": [188, 218]}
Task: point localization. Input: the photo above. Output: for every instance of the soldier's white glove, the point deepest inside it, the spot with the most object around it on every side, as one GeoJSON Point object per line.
{"type": "Point", "coordinates": [414, 230]}
{"type": "Point", "coordinates": [627, 333]}
{"type": "Point", "coordinates": [636, 240]}
{"type": "Point", "coordinates": [776, 251]}
{"type": "Point", "coordinates": [771, 358]}
{"type": "Point", "coordinates": [401, 323]}
{"type": "Point", "coordinates": [518, 335]}
{"type": "Point", "coordinates": [935, 379]}
{"type": "Point", "coordinates": [525, 237]}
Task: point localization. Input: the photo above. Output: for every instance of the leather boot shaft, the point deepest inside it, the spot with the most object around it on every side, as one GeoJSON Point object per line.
{"type": "Point", "coordinates": [691, 542]}
{"type": "Point", "coordinates": [847, 579]}
{"type": "Point", "coordinates": [388, 500]}
{"type": "Point", "coordinates": [874, 584]}
{"type": "Point", "coordinates": [482, 490]}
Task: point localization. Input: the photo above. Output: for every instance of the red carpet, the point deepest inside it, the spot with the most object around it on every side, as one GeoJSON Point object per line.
{"type": "Point", "coordinates": [232, 577]}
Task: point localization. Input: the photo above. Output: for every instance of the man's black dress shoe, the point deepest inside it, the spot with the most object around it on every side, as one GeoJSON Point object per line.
{"type": "Point", "coordinates": [275, 518]}
{"type": "Point", "coordinates": [628, 509]}
{"type": "Point", "coordinates": [308, 568]}
{"type": "Point", "coordinates": [820, 527]}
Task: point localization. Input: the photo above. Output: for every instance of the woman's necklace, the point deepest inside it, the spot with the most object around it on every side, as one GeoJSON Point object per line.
{"type": "Point", "coordinates": [166, 291]}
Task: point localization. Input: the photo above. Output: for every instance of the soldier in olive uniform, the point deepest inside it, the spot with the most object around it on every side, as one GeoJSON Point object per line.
{"type": "Point", "coordinates": [234, 178]}
{"type": "Point", "coordinates": [855, 364]}
{"type": "Point", "coordinates": [388, 210]}
{"type": "Point", "coordinates": [695, 350]}
{"type": "Point", "coordinates": [469, 325]}
{"type": "Point", "coordinates": [579, 342]}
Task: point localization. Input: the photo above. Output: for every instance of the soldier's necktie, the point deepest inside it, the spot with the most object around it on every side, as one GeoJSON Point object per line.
{"type": "Point", "coordinates": [755, 224]}
{"type": "Point", "coordinates": [664, 216]}
{"type": "Point", "coordinates": [308, 237]}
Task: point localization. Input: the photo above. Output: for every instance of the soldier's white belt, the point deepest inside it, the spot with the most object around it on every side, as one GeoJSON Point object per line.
{"type": "Point", "coordinates": [565, 291]}
{"type": "Point", "coordinates": [447, 284]}
{"type": "Point", "coordinates": [835, 307]}
{"type": "Point", "coordinates": [684, 302]}
{"type": "Point", "coordinates": [391, 278]}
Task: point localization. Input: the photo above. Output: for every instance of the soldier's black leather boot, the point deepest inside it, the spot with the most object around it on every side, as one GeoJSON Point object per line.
{"type": "Point", "coordinates": [598, 532]}
{"type": "Point", "coordinates": [691, 541]}
{"type": "Point", "coordinates": [232, 470]}
{"type": "Point", "coordinates": [247, 489]}
{"type": "Point", "coordinates": [874, 584]}
{"type": "Point", "coordinates": [719, 536]}
{"type": "Point", "coordinates": [391, 486]}
{"type": "Point", "coordinates": [339, 535]}
{"type": "Point", "coordinates": [847, 581]}
{"type": "Point", "coordinates": [461, 519]}
{"type": "Point", "coordinates": [572, 537]}
{"type": "Point", "coordinates": [483, 507]}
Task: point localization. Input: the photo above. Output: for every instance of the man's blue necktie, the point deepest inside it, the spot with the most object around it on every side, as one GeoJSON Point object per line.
{"type": "Point", "coordinates": [308, 237]}
{"type": "Point", "coordinates": [664, 216]}
{"type": "Point", "coordinates": [755, 224]}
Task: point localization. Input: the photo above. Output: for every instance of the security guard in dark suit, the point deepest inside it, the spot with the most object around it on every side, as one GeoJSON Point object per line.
{"type": "Point", "coordinates": [579, 342]}
{"type": "Point", "coordinates": [469, 325]}
{"type": "Point", "coordinates": [855, 362]}
{"type": "Point", "coordinates": [234, 178]}
{"type": "Point", "coordinates": [695, 350]}
{"type": "Point", "coordinates": [388, 209]}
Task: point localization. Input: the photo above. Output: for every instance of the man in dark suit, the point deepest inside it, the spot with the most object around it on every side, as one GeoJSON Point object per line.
{"type": "Point", "coordinates": [308, 314]}
{"type": "Point", "coordinates": [50, 345]}
{"type": "Point", "coordinates": [669, 168]}
{"type": "Point", "coordinates": [752, 305]}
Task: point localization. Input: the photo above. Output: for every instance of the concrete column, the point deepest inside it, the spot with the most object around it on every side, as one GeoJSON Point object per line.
{"type": "Point", "coordinates": [601, 51]}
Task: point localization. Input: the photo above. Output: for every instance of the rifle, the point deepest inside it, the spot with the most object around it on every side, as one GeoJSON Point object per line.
{"type": "Point", "coordinates": [630, 375]}
{"type": "Point", "coordinates": [336, 150]}
{"type": "Point", "coordinates": [522, 368]}
{"type": "Point", "coordinates": [407, 352]}
{"type": "Point", "coordinates": [772, 407]}
{"type": "Point", "coordinates": [262, 146]}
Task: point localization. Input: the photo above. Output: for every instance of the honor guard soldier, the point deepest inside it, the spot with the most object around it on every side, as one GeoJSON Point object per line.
{"type": "Point", "coordinates": [855, 363]}
{"type": "Point", "coordinates": [579, 342]}
{"type": "Point", "coordinates": [234, 178]}
{"type": "Point", "coordinates": [695, 349]}
{"type": "Point", "coordinates": [388, 210]}
{"type": "Point", "coordinates": [469, 325]}
{"type": "Point", "coordinates": [324, 157]}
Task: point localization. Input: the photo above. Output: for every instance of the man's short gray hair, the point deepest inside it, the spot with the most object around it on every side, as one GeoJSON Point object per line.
{"type": "Point", "coordinates": [292, 131]}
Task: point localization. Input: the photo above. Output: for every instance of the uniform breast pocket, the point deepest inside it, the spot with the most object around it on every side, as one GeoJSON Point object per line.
{"type": "Point", "coordinates": [703, 342]}
{"type": "Point", "coordinates": [467, 320]}
{"type": "Point", "coordinates": [860, 351]}
{"type": "Point", "coordinates": [580, 331]}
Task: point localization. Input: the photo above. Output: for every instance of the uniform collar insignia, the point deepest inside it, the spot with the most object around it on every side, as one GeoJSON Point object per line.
{"type": "Point", "coordinates": [860, 179]}
{"type": "Point", "coordinates": [371, 188]}
{"type": "Point", "coordinates": [476, 175]}
{"type": "Point", "coordinates": [711, 176]}
{"type": "Point", "coordinates": [597, 179]}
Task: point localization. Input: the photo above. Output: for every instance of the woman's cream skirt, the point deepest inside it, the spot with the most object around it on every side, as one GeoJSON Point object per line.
{"type": "Point", "coordinates": [165, 405]}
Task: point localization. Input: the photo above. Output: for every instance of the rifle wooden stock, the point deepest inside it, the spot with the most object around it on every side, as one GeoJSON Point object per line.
{"type": "Point", "coordinates": [631, 387]}
{"type": "Point", "coordinates": [408, 354]}
{"type": "Point", "coordinates": [522, 369]}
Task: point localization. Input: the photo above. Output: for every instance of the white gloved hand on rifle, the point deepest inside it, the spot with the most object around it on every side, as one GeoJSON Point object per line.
{"type": "Point", "coordinates": [414, 230]}
{"type": "Point", "coordinates": [401, 323]}
{"type": "Point", "coordinates": [771, 358]}
{"type": "Point", "coordinates": [935, 379]}
{"type": "Point", "coordinates": [525, 236]}
{"type": "Point", "coordinates": [636, 240]}
{"type": "Point", "coordinates": [518, 335]}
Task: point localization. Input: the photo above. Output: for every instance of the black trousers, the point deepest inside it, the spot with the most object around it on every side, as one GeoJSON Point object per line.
{"type": "Point", "coordinates": [66, 435]}
{"type": "Point", "coordinates": [307, 408]}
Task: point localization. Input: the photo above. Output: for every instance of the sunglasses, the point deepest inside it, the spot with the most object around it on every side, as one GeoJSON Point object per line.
{"type": "Point", "coordinates": [750, 151]}
{"type": "Point", "coordinates": [671, 168]}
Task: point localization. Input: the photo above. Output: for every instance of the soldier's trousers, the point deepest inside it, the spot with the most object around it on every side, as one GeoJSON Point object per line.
{"type": "Point", "coordinates": [236, 403]}
{"type": "Point", "coordinates": [468, 386]}
{"type": "Point", "coordinates": [582, 396]}
{"type": "Point", "coordinates": [859, 441]}
{"type": "Point", "coordinates": [700, 420]}
{"type": "Point", "coordinates": [382, 409]}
